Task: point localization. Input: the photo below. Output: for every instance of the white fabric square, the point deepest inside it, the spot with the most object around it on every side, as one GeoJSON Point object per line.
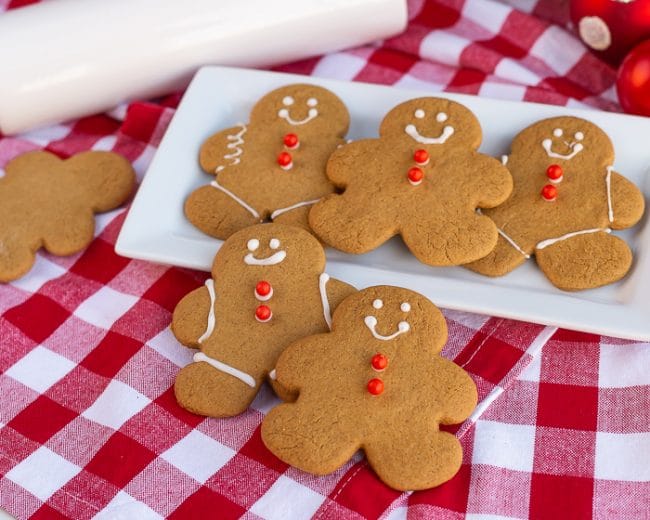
{"type": "Point", "coordinates": [514, 71]}
{"type": "Point", "coordinates": [399, 513]}
{"type": "Point", "coordinates": [510, 446]}
{"type": "Point", "coordinates": [533, 371]}
{"type": "Point", "coordinates": [287, 499]}
{"type": "Point", "coordinates": [124, 507]}
{"type": "Point", "coordinates": [407, 81]}
{"type": "Point", "coordinates": [622, 456]}
{"type": "Point", "coordinates": [168, 346]}
{"type": "Point", "coordinates": [486, 516]}
{"type": "Point", "coordinates": [43, 473]}
{"type": "Point", "coordinates": [40, 369]}
{"type": "Point", "coordinates": [198, 455]}
{"type": "Point", "coordinates": [340, 65]}
{"type": "Point", "coordinates": [45, 135]}
{"type": "Point", "coordinates": [443, 47]}
{"type": "Point", "coordinates": [488, 14]}
{"type": "Point", "coordinates": [41, 272]}
{"type": "Point", "coordinates": [116, 405]}
{"type": "Point", "coordinates": [558, 49]}
{"type": "Point", "coordinates": [502, 91]}
{"type": "Point", "coordinates": [105, 306]}
{"type": "Point", "coordinates": [620, 367]}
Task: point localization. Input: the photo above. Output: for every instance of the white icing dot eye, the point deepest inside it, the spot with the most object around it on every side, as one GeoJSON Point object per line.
{"type": "Point", "coordinates": [405, 307]}
{"type": "Point", "coordinates": [312, 102]}
{"type": "Point", "coordinates": [441, 117]}
{"type": "Point", "coordinates": [253, 244]}
{"type": "Point", "coordinates": [283, 112]}
{"type": "Point", "coordinates": [377, 304]}
{"type": "Point", "coordinates": [558, 132]}
{"type": "Point", "coordinates": [287, 101]}
{"type": "Point", "coordinates": [274, 243]}
{"type": "Point", "coordinates": [312, 112]}
{"type": "Point", "coordinates": [579, 136]}
{"type": "Point", "coordinates": [403, 326]}
{"type": "Point", "coordinates": [419, 113]}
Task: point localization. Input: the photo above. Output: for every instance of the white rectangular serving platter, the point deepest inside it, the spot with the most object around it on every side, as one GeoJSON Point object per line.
{"type": "Point", "coordinates": [218, 97]}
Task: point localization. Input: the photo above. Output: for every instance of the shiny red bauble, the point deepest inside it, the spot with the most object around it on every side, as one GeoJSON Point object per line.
{"type": "Point", "coordinates": [379, 362]}
{"type": "Point", "coordinates": [375, 386]}
{"type": "Point", "coordinates": [633, 82]}
{"type": "Point", "coordinates": [549, 192]}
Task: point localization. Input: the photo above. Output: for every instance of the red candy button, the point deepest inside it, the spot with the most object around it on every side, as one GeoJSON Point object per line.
{"type": "Point", "coordinates": [421, 157]}
{"type": "Point", "coordinates": [291, 141]}
{"type": "Point", "coordinates": [263, 290]}
{"type": "Point", "coordinates": [549, 192]}
{"type": "Point", "coordinates": [379, 362]}
{"type": "Point", "coordinates": [554, 173]}
{"type": "Point", "coordinates": [375, 386]}
{"type": "Point", "coordinates": [263, 313]}
{"type": "Point", "coordinates": [415, 176]}
{"type": "Point", "coordinates": [285, 160]}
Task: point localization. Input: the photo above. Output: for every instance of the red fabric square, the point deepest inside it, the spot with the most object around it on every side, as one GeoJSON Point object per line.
{"type": "Point", "coordinates": [46, 512]}
{"type": "Point", "coordinates": [99, 262]}
{"type": "Point", "coordinates": [467, 81]}
{"type": "Point", "coordinates": [112, 353]}
{"type": "Point", "coordinates": [207, 502]}
{"type": "Point", "coordinates": [451, 495]}
{"type": "Point", "coordinates": [37, 317]}
{"type": "Point", "coordinates": [155, 428]}
{"type": "Point", "coordinates": [567, 406]}
{"type": "Point", "coordinates": [172, 286]}
{"type": "Point", "coordinates": [120, 459]}
{"type": "Point", "coordinates": [167, 400]}
{"type": "Point", "coordinates": [438, 15]}
{"type": "Point", "coordinates": [553, 497]}
{"type": "Point", "coordinates": [489, 357]}
{"type": "Point", "coordinates": [256, 450]}
{"type": "Point", "coordinates": [564, 452]}
{"type": "Point", "coordinates": [83, 496]}
{"type": "Point", "coordinates": [42, 419]}
{"type": "Point", "coordinates": [141, 121]}
{"type": "Point", "coordinates": [13, 449]}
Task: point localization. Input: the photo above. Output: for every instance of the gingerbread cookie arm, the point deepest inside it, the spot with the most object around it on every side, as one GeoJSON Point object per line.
{"type": "Point", "coordinates": [349, 160]}
{"type": "Point", "coordinates": [460, 395]}
{"type": "Point", "coordinates": [492, 180]}
{"type": "Point", "coordinates": [193, 320]}
{"type": "Point", "coordinates": [626, 202]}
{"type": "Point", "coordinates": [16, 256]}
{"type": "Point", "coordinates": [333, 292]}
{"type": "Point", "coordinates": [222, 149]}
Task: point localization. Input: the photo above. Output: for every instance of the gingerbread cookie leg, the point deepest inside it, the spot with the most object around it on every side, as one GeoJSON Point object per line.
{"type": "Point", "coordinates": [15, 258]}
{"type": "Point", "coordinates": [193, 317]}
{"type": "Point", "coordinates": [505, 257]}
{"type": "Point", "coordinates": [69, 232]}
{"type": "Point", "coordinates": [218, 212]}
{"type": "Point", "coordinates": [586, 260]}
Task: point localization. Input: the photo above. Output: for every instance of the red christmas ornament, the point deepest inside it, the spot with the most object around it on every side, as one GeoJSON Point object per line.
{"type": "Point", "coordinates": [263, 313]}
{"type": "Point", "coordinates": [379, 362]}
{"type": "Point", "coordinates": [554, 173]}
{"type": "Point", "coordinates": [291, 141]}
{"type": "Point", "coordinates": [263, 290]}
{"type": "Point", "coordinates": [611, 27]}
{"type": "Point", "coordinates": [549, 192]}
{"type": "Point", "coordinates": [415, 175]}
{"type": "Point", "coordinates": [633, 81]}
{"type": "Point", "coordinates": [421, 157]}
{"type": "Point", "coordinates": [375, 386]}
{"type": "Point", "coordinates": [285, 161]}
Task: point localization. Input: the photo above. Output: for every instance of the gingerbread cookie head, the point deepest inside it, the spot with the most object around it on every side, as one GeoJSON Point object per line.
{"type": "Point", "coordinates": [302, 109]}
{"type": "Point", "coordinates": [49, 202]}
{"type": "Point", "coordinates": [435, 124]}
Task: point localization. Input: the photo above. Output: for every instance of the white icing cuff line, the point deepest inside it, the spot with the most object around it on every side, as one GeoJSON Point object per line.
{"type": "Point", "coordinates": [226, 369]}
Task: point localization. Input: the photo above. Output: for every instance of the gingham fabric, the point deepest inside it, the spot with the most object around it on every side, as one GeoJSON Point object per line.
{"type": "Point", "coordinates": [88, 423]}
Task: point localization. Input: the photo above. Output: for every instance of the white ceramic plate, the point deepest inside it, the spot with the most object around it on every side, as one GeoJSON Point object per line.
{"type": "Point", "coordinates": [219, 97]}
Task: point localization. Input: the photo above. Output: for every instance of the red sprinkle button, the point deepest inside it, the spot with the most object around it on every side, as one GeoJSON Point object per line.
{"type": "Point", "coordinates": [415, 175]}
{"type": "Point", "coordinates": [263, 290]}
{"type": "Point", "coordinates": [554, 173]}
{"type": "Point", "coordinates": [375, 386]}
{"type": "Point", "coordinates": [421, 157]}
{"type": "Point", "coordinates": [285, 160]}
{"type": "Point", "coordinates": [379, 362]}
{"type": "Point", "coordinates": [291, 141]}
{"type": "Point", "coordinates": [263, 313]}
{"type": "Point", "coordinates": [549, 192]}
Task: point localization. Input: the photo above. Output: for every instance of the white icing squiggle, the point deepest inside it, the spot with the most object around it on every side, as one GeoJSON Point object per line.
{"type": "Point", "coordinates": [234, 197]}
{"type": "Point", "coordinates": [412, 131]}
{"type": "Point", "coordinates": [608, 183]}
{"type": "Point", "coordinates": [322, 287]}
{"type": "Point", "coordinates": [513, 243]}
{"type": "Point", "coordinates": [211, 319]}
{"type": "Point", "coordinates": [371, 323]}
{"type": "Point", "coordinates": [551, 241]}
{"type": "Point", "coordinates": [236, 139]}
{"type": "Point", "coordinates": [226, 369]}
{"type": "Point", "coordinates": [280, 211]}
{"type": "Point", "coordinates": [274, 259]}
{"type": "Point", "coordinates": [576, 148]}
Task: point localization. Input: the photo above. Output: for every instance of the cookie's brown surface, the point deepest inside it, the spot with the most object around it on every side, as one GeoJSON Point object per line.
{"type": "Point", "coordinates": [398, 428]}
{"type": "Point", "coordinates": [49, 202]}
{"type": "Point", "coordinates": [238, 351]}
{"type": "Point", "coordinates": [436, 218]}
{"type": "Point", "coordinates": [569, 235]}
{"type": "Point", "coordinates": [250, 186]}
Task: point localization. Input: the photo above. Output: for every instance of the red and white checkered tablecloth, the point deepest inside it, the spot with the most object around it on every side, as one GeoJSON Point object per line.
{"type": "Point", "coordinates": [88, 422]}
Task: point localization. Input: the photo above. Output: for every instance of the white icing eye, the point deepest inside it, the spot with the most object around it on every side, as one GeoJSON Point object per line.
{"type": "Point", "coordinates": [579, 136]}
{"type": "Point", "coordinates": [377, 304]}
{"type": "Point", "coordinates": [441, 117]}
{"type": "Point", "coordinates": [405, 307]}
{"type": "Point", "coordinates": [312, 102]}
{"type": "Point", "coordinates": [274, 243]}
{"type": "Point", "coordinates": [419, 113]}
{"type": "Point", "coordinates": [283, 112]}
{"type": "Point", "coordinates": [403, 326]}
{"type": "Point", "coordinates": [287, 101]}
{"type": "Point", "coordinates": [253, 244]}
{"type": "Point", "coordinates": [312, 112]}
{"type": "Point", "coordinates": [558, 132]}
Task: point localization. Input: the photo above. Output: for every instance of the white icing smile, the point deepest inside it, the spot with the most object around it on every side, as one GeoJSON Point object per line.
{"type": "Point", "coordinates": [283, 113]}
{"type": "Point", "coordinates": [402, 326]}
{"type": "Point", "coordinates": [575, 146]}
{"type": "Point", "coordinates": [273, 259]}
{"type": "Point", "coordinates": [413, 132]}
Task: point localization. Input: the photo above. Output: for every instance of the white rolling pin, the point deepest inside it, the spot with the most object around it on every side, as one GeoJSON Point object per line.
{"type": "Point", "coordinates": [62, 59]}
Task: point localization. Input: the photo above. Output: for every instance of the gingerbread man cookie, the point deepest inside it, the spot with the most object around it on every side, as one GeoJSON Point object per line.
{"type": "Point", "coordinates": [375, 382]}
{"type": "Point", "coordinates": [422, 179]}
{"type": "Point", "coordinates": [272, 169]}
{"type": "Point", "coordinates": [49, 202]}
{"type": "Point", "coordinates": [267, 289]}
{"type": "Point", "coordinates": [566, 201]}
